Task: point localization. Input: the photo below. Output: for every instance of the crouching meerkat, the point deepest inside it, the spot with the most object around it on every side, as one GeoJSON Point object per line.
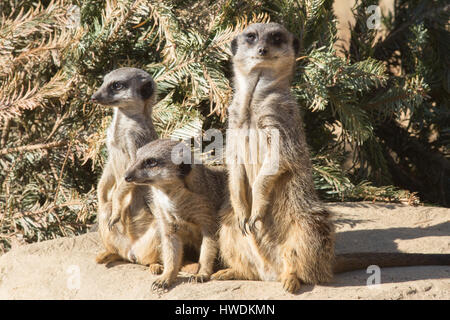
{"type": "Point", "coordinates": [132, 94]}
{"type": "Point", "coordinates": [186, 201]}
{"type": "Point", "coordinates": [276, 228]}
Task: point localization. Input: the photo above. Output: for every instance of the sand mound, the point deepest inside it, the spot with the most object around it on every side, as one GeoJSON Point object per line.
{"type": "Point", "coordinates": [65, 268]}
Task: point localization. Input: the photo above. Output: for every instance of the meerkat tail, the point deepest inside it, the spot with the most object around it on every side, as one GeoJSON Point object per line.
{"type": "Point", "coordinates": [356, 261]}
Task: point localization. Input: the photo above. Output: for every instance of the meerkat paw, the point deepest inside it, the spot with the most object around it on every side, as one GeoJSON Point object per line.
{"type": "Point", "coordinates": [259, 210]}
{"type": "Point", "coordinates": [112, 221]}
{"type": "Point", "coordinates": [161, 284]}
{"type": "Point", "coordinates": [290, 283]}
{"type": "Point", "coordinates": [199, 278]}
{"type": "Point", "coordinates": [252, 226]}
{"type": "Point", "coordinates": [155, 268]}
{"type": "Point", "coordinates": [242, 215]}
{"type": "Point", "coordinates": [193, 267]}
{"type": "Point", "coordinates": [107, 257]}
{"type": "Point", "coordinates": [243, 223]}
{"type": "Point", "coordinates": [225, 274]}
{"type": "Point", "coordinates": [131, 256]}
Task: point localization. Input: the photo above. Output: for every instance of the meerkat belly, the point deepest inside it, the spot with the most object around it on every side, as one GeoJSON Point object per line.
{"type": "Point", "coordinates": [163, 206]}
{"type": "Point", "coordinates": [172, 222]}
{"type": "Point", "coordinates": [166, 209]}
{"type": "Point", "coordinates": [121, 162]}
{"type": "Point", "coordinates": [253, 146]}
{"type": "Point", "coordinates": [267, 269]}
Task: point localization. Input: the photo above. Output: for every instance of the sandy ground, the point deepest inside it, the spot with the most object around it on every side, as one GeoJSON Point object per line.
{"type": "Point", "coordinates": [65, 268]}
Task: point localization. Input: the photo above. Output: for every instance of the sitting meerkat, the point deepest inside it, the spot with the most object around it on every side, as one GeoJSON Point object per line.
{"type": "Point", "coordinates": [186, 202]}
{"type": "Point", "coordinates": [132, 94]}
{"type": "Point", "coordinates": [276, 228]}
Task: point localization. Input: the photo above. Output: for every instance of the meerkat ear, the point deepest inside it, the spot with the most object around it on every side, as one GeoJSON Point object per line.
{"type": "Point", "coordinates": [146, 90]}
{"type": "Point", "coordinates": [185, 168]}
{"type": "Point", "coordinates": [296, 45]}
{"type": "Point", "coordinates": [234, 46]}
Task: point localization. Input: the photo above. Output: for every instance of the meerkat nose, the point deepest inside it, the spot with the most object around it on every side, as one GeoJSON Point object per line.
{"type": "Point", "coordinates": [93, 99]}
{"type": "Point", "coordinates": [128, 178]}
{"type": "Point", "coordinates": [262, 51]}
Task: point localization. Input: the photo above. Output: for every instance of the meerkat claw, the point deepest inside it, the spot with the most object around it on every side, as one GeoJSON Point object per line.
{"type": "Point", "coordinates": [112, 222]}
{"type": "Point", "coordinates": [251, 227]}
{"type": "Point", "coordinates": [196, 278]}
{"type": "Point", "coordinates": [252, 224]}
{"type": "Point", "coordinates": [248, 229]}
{"type": "Point", "coordinates": [291, 284]}
{"type": "Point", "coordinates": [160, 285]}
{"type": "Point", "coordinates": [243, 226]}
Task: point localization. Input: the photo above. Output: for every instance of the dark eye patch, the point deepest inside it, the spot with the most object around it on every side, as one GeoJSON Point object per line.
{"type": "Point", "coordinates": [146, 90]}
{"type": "Point", "coordinates": [250, 37]}
{"type": "Point", "coordinates": [185, 169]}
{"type": "Point", "coordinates": [117, 86]}
{"type": "Point", "coordinates": [150, 163]}
{"type": "Point", "coordinates": [277, 38]}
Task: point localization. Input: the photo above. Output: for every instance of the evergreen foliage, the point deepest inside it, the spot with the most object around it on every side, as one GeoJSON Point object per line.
{"type": "Point", "coordinates": [383, 107]}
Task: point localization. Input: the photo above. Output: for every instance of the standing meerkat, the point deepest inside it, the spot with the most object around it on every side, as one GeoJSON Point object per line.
{"type": "Point", "coordinates": [186, 201]}
{"type": "Point", "coordinates": [132, 94]}
{"type": "Point", "coordinates": [295, 238]}
{"type": "Point", "coordinates": [276, 228]}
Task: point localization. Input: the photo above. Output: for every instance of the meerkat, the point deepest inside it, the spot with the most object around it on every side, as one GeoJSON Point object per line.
{"type": "Point", "coordinates": [186, 201]}
{"type": "Point", "coordinates": [132, 94]}
{"type": "Point", "coordinates": [275, 227]}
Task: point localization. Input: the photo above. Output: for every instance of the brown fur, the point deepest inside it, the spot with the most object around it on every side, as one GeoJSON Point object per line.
{"type": "Point", "coordinates": [291, 235]}
{"type": "Point", "coordinates": [186, 201]}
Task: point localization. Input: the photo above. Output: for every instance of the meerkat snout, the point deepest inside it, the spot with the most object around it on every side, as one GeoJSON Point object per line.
{"type": "Point", "coordinates": [129, 178]}
{"type": "Point", "coordinates": [125, 86]}
{"type": "Point", "coordinates": [262, 51]}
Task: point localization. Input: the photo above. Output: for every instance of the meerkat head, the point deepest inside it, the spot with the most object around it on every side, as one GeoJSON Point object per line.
{"type": "Point", "coordinates": [125, 87]}
{"type": "Point", "coordinates": [159, 162]}
{"type": "Point", "coordinates": [264, 46]}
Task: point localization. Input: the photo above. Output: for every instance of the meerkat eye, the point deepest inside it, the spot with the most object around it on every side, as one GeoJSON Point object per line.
{"type": "Point", "coordinates": [277, 38]}
{"type": "Point", "coordinates": [150, 163]}
{"type": "Point", "coordinates": [250, 37]}
{"type": "Point", "coordinates": [116, 86]}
